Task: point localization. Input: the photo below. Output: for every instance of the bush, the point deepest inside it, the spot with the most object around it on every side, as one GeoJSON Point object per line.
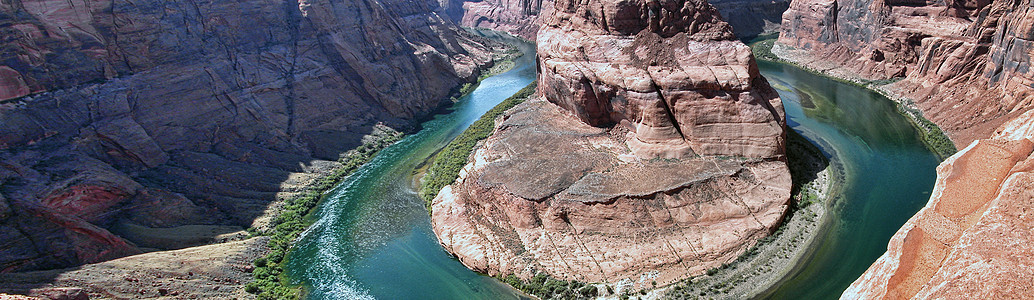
{"type": "Point", "coordinates": [269, 281]}
{"type": "Point", "coordinates": [545, 287]}
{"type": "Point", "coordinates": [447, 164]}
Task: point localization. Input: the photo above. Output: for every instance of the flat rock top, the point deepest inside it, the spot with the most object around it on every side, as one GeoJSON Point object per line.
{"type": "Point", "coordinates": [539, 152]}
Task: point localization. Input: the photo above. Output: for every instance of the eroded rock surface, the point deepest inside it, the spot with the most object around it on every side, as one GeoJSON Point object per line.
{"type": "Point", "coordinates": [672, 69]}
{"type": "Point", "coordinates": [966, 64]}
{"type": "Point", "coordinates": [520, 18]}
{"type": "Point", "coordinates": [653, 153]}
{"type": "Point", "coordinates": [549, 193]}
{"type": "Point", "coordinates": [162, 114]}
{"type": "Point", "coordinates": [974, 237]}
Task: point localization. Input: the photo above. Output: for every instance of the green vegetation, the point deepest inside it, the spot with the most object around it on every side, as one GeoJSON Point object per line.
{"type": "Point", "coordinates": [762, 46]}
{"type": "Point", "coordinates": [447, 163]}
{"type": "Point", "coordinates": [270, 282]}
{"type": "Point", "coordinates": [930, 133]}
{"type": "Point", "coordinates": [805, 161]}
{"type": "Point", "coordinates": [546, 287]}
{"type": "Point", "coordinates": [504, 62]}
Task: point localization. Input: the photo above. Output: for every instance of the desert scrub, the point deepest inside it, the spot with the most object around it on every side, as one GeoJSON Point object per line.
{"type": "Point", "coordinates": [546, 287]}
{"type": "Point", "coordinates": [269, 281]}
{"type": "Point", "coordinates": [446, 164]}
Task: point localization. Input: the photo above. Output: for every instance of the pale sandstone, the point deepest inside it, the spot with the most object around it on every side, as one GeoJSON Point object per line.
{"type": "Point", "coordinates": [548, 193]}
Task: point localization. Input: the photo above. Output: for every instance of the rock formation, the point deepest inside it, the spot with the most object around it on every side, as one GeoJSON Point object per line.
{"type": "Point", "coordinates": [160, 114]}
{"type": "Point", "coordinates": [655, 151]}
{"type": "Point", "coordinates": [672, 70]}
{"type": "Point", "coordinates": [974, 237]}
{"type": "Point", "coordinates": [750, 18]}
{"type": "Point", "coordinates": [520, 18]}
{"type": "Point", "coordinates": [964, 63]}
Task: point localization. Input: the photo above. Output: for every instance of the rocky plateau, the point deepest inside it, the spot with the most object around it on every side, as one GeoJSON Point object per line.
{"type": "Point", "coordinates": [655, 152]}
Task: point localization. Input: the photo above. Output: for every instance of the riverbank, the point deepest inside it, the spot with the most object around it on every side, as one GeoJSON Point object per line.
{"type": "Point", "coordinates": [444, 166]}
{"type": "Point", "coordinates": [816, 179]}
{"type": "Point", "coordinates": [765, 48]}
{"type": "Point", "coordinates": [291, 215]}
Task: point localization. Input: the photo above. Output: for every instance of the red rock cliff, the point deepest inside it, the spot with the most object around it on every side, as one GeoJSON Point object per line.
{"type": "Point", "coordinates": [654, 153]}
{"type": "Point", "coordinates": [168, 113]}
{"type": "Point", "coordinates": [974, 238]}
{"type": "Point", "coordinates": [966, 64]}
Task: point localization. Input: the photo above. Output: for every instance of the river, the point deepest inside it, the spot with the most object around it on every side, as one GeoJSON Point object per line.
{"type": "Point", "coordinates": [889, 174]}
{"type": "Point", "coordinates": [372, 236]}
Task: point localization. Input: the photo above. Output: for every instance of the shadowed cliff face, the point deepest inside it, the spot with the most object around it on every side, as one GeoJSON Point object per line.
{"type": "Point", "coordinates": [653, 153]}
{"type": "Point", "coordinates": [748, 18]}
{"type": "Point", "coordinates": [965, 63]}
{"type": "Point", "coordinates": [169, 113]}
{"type": "Point", "coordinates": [520, 18]}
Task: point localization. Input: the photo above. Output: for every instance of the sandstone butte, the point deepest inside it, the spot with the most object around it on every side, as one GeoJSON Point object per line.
{"type": "Point", "coordinates": [966, 64]}
{"type": "Point", "coordinates": [655, 152]}
{"type": "Point", "coordinates": [121, 120]}
{"type": "Point", "coordinates": [522, 18]}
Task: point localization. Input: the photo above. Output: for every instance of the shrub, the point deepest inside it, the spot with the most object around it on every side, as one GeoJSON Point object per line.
{"type": "Point", "coordinates": [269, 281]}
{"type": "Point", "coordinates": [447, 164]}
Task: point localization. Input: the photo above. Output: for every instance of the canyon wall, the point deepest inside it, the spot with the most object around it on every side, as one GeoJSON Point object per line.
{"type": "Point", "coordinates": [655, 152]}
{"type": "Point", "coordinates": [126, 118]}
{"type": "Point", "coordinates": [966, 64]}
{"type": "Point", "coordinates": [522, 18]}
{"type": "Point", "coordinates": [974, 237]}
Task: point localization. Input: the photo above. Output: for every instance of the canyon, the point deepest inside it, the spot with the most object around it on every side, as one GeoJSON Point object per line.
{"type": "Point", "coordinates": [129, 127]}
{"type": "Point", "coordinates": [656, 151]}
{"type": "Point", "coordinates": [966, 66]}
{"type": "Point", "coordinates": [974, 237]}
{"type": "Point", "coordinates": [749, 18]}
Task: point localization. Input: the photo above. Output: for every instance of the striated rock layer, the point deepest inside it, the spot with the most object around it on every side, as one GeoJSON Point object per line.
{"type": "Point", "coordinates": [548, 193]}
{"type": "Point", "coordinates": [654, 153]}
{"type": "Point", "coordinates": [162, 114]}
{"type": "Point", "coordinates": [670, 69]}
{"type": "Point", "coordinates": [974, 237]}
{"type": "Point", "coordinates": [966, 64]}
{"type": "Point", "coordinates": [522, 18]}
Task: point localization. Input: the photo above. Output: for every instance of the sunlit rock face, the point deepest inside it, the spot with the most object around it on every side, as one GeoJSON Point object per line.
{"type": "Point", "coordinates": [974, 237]}
{"type": "Point", "coordinates": [672, 70]}
{"type": "Point", "coordinates": [965, 63]}
{"type": "Point", "coordinates": [170, 113]}
{"type": "Point", "coordinates": [654, 151]}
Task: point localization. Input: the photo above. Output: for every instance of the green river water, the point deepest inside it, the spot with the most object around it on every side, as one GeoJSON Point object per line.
{"type": "Point", "coordinates": [372, 236]}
